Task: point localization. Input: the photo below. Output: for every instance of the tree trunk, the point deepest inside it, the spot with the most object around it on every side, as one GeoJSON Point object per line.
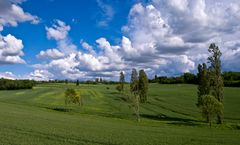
{"type": "Point", "coordinates": [219, 119]}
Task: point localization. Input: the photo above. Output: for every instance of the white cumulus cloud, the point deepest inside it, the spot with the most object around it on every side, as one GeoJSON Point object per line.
{"type": "Point", "coordinates": [11, 14]}
{"type": "Point", "coordinates": [10, 50]}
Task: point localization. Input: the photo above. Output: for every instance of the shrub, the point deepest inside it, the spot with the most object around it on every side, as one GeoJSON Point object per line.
{"type": "Point", "coordinates": [72, 97]}
{"type": "Point", "coordinates": [211, 107]}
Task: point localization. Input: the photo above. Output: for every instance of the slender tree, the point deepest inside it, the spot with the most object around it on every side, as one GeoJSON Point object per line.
{"type": "Point", "coordinates": [77, 83]}
{"type": "Point", "coordinates": [121, 81]}
{"type": "Point", "coordinates": [203, 83]}
{"type": "Point", "coordinates": [143, 86]}
{"type": "Point", "coordinates": [134, 82]}
{"type": "Point", "coordinates": [215, 76]}
{"type": "Point", "coordinates": [134, 97]}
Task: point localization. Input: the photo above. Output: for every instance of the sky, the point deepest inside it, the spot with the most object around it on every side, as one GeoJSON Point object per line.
{"type": "Point", "coordinates": [70, 39]}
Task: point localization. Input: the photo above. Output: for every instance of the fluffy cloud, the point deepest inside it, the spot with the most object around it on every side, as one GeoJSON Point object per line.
{"type": "Point", "coordinates": [66, 61]}
{"type": "Point", "coordinates": [166, 31]}
{"type": "Point", "coordinates": [58, 31]}
{"type": "Point", "coordinates": [87, 47]}
{"type": "Point", "coordinates": [10, 50]}
{"type": "Point", "coordinates": [40, 75]}
{"type": "Point", "coordinates": [8, 75]}
{"type": "Point", "coordinates": [11, 14]}
{"type": "Point", "coordinates": [111, 52]}
{"type": "Point", "coordinates": [87, 65]}
{"type": "Point", "coordinates": [50, 54]}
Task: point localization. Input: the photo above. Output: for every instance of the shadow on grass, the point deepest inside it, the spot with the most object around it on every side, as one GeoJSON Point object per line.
{"type": "Point", "coordinates": [60, 109]}
{"type": "Point", "coordinates": [173, 120]}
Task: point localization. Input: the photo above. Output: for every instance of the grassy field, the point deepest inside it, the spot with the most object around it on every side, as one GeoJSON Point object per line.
{"type": "Point", "coordinates": [40, 117]}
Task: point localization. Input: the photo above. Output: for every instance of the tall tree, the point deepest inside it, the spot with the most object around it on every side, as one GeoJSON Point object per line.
{"type": "Point", "coordinates": [203, 83]}
{"type": "Point", "coordinates": [121, 81]}
{"type": "Point", "coordinates": [77, 83]}
{"type": "Point", "coordinates": [143, 86]}
{"type": "Point", "coordinates": [215, 74]}
{"type": "Point", "coordinates": [134, 82]}
{"type": "Point", "coordinates": [134, 97]}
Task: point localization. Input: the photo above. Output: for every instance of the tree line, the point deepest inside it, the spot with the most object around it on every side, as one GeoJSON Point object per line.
{"type": "Point", "coordinates": [7, 84]}
{"type": "Point", "coordinates": [230, 79]}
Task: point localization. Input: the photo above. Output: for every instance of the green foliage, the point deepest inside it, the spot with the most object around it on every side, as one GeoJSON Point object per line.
{"type": "Point", "coordinates": [66, 81]}
{"type": "Point", "coordinates": [134, 98]}
{"type": "Point", "coordinates": [121, 82]}
{"type": "Point", "coordinates": [143, 86]}
{"type": "Point", "coordinates": [211, 107]}
{"type": "Point", "coordinates": [231, 76]}
{"type": "Point", "coordinates": [119, 88]}
{"type": "Point", "coordinates": [190, 78]}
{"type": "Point", "coordinates": [204, 83]}
{"type": "Point", "coordinates": [168, 80]}
{"type": "Point", "coordinates": [134, 103]}
{"type": "Point", "coordinates": [6, 84]}
{"type": "Point", "coordinates": [215, 75]}
{"type": "Point", "coordinates": [187, 78]}
{"type": "Point", "coordinates": [77, 83]}
{"type": "Point", "coordinates": [72, 97]}
{"type": "Point", "coordinates": [134, 82]}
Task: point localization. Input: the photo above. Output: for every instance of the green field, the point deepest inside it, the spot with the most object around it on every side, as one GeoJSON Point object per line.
{"type": "Point", "coordinates": [170, 117]}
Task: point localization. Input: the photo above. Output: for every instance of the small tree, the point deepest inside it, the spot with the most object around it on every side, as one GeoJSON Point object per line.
{"type": "Point", "coordinates": [203, 83]}
{"type": "Point", "coordinates": [216, 77]}
{"type": "Point", "coordinates": [77, 83]}
{"type": "Point", "coordinates": [210, 108]}
{"type": "Point", "coordinates": [72, 97]}
{"type": "Point", "coordinates": [121, 81]}
{"type": "Point", "coordinates": [143, 86]}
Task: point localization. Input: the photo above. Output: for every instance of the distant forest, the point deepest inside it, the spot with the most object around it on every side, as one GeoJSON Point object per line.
{"type": "Point", "coordinates": [6, 84]}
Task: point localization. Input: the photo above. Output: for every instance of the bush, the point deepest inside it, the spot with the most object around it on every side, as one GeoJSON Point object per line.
{"type": "Point", "coordinates": [118, 88]}
{"type": "Point", "coordinates": [72, 97]}
{"type": "Point", "coordinates": [211, 107]}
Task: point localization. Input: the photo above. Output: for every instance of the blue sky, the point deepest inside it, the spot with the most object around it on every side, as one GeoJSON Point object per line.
{"type": "Point", "coordinates": [60, 39]}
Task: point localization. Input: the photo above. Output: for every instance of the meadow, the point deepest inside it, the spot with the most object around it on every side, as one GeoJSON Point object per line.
{"type": "Point", "coordinates": [39, 116]}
